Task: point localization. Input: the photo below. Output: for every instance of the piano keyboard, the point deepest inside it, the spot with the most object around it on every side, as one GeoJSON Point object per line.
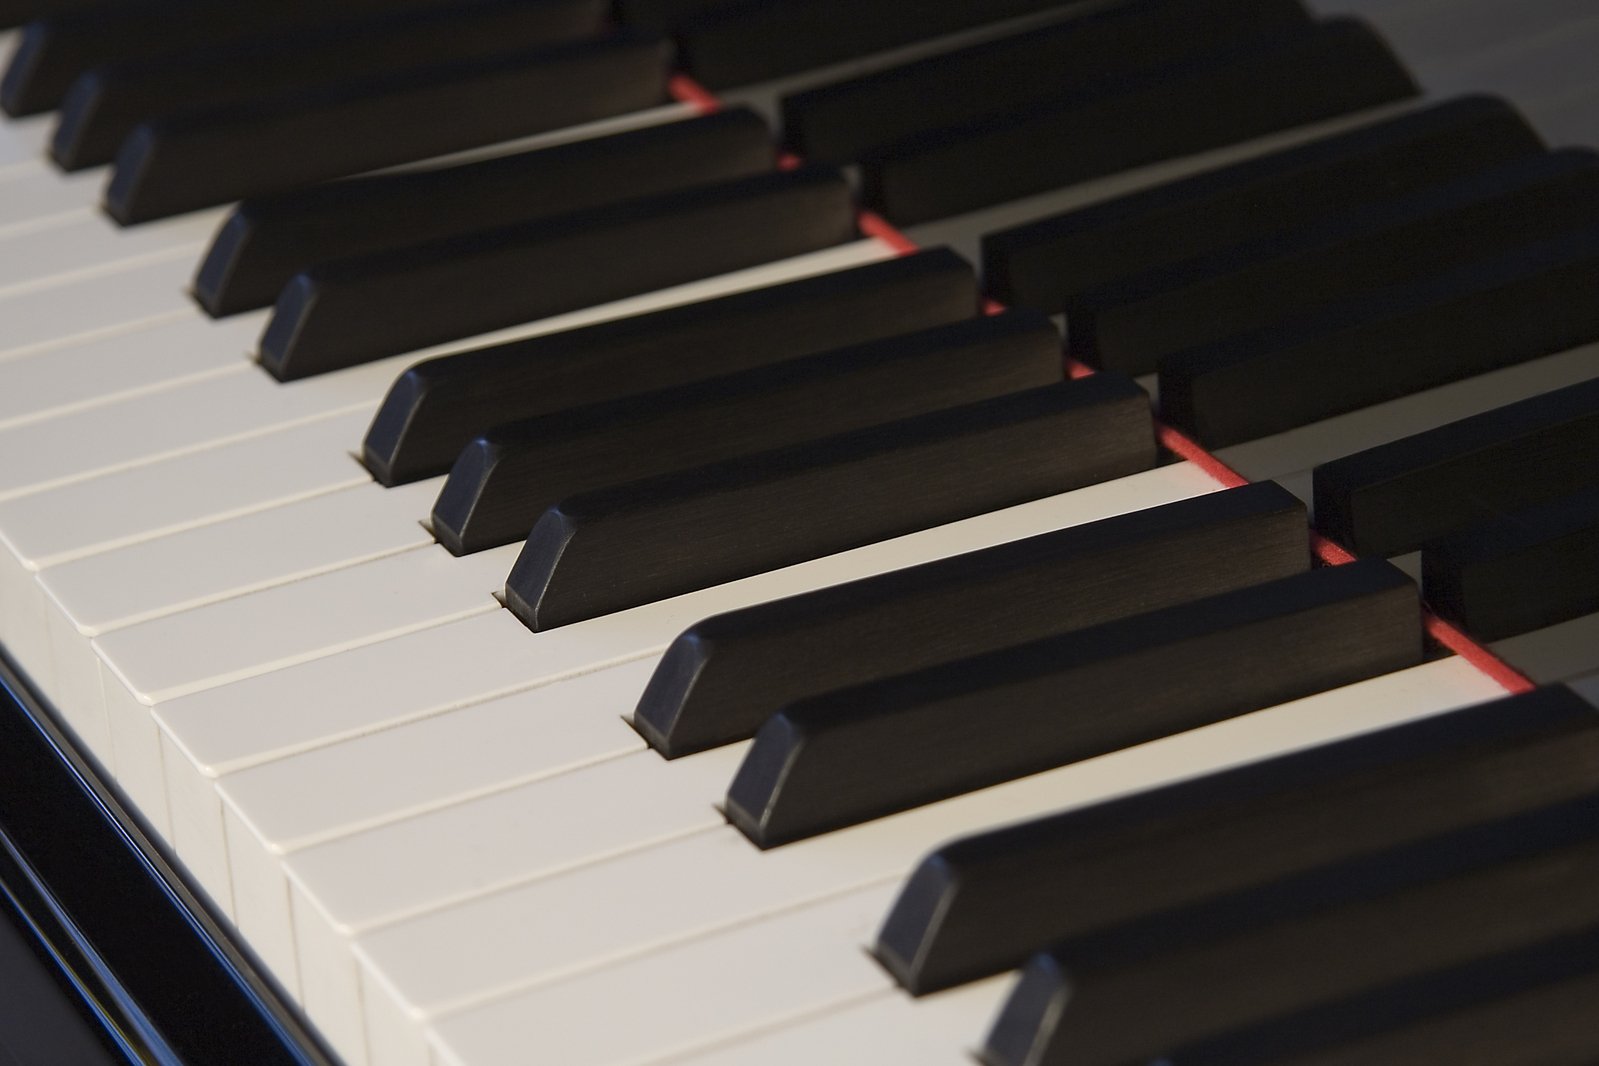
{"type": "Point", "coordinates": [737, 661]}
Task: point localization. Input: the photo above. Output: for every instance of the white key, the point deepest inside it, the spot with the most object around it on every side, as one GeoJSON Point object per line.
{"type": "Point", "coordinates": [90, 597]}
{"type": "Point", "coordinates": [93, 373]}
{"type": "Point", "coordinates": [37, 197]}
{"type": "Point", "coordinates": [887, 1029]}
{"type": "Point", "coordinates": [687, 997]}
{"type": "Point", "coordinates": [198, 414]}
{"type": "Point", "coordinates": [78, 248]}
{"type": "Point", "coordinates": [284, 746]}
{"type": "Point", "coordinates": [552, 929]}
{"type": "Point", "coordinates": [284, 807]}
{"type": "Point", "coordinates": [1588, 688]}
{"type": "Point", "coordinates": [611, 807]}
{"type": "Point", "coordinates": [101, 305]}
{"type": "Point", "coordinates": [23, 141]}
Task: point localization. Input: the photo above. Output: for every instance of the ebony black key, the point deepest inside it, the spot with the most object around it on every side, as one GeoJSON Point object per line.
{"type": "Point", "coordinates": [983, 904]}
{"type": "Point", "coordinates": [605, 551]}
{"type": "Point", "coordinates": [1036, 264]}
{"type": "Point", "coordinates": [436, 407]}
{"type": "Point", "coordinates": [105, 103]}
{"type": "Point", "coordinates": [1527, 1007]}
{"type": "Point", "coordinates": [726, 675]}
{"type": "Point", "coordinates": [659, 15]}
{"type": "Point", "coordinates": [14, 13]}
{"type": "Point", "coordinates": [506, 479]}
{"type": "Point", "coordinates": [1227, 96]}
{"type": "Point", "coordinates": [1394, 498]}
{"type": "Point", "coordinates": [874, 749]}
{"type": "Point", "coordinates": [354, 310]}
{"type": "Point", "coordinates": [1130, 324]}
{"type": "Point", "coordinates": [847, 120]}
{"type": "Point", "coordinates": [1131, 996]}
{"type": "Point", "coordinates": [267, 240]}
{"type": "Point", "coordinates": [1526, 303]}
{"type": "Point", "coordinates": [755, 40]}
{"type": "Point", "coordinates": [55, 50]}
{"type": "Point", "coordinates": [1526, 570]}
{"type": "Point", "coordinates": [197, 159]}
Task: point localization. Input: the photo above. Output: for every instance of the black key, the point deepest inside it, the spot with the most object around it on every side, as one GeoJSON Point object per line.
{"type": "Point", "coordinates": [1393, 498]}
{"type": "Point", "coordinates": [365, 307]}
{"type": "Point", "coordinates": [755, 40]}
{"type": "Point", "coordinates": [1036, 264]}
{"type": "Point", "coordinates": [1131, 323]}
{"type": "Point", "coordinates": [1527, 570]}
{"type": "Point", "coordinates": [197, 159]}
{"type": "Point", "coordinates": [1306, 942]}
{"type": "Point", "coordinates": [726, 675]}
{"type": "Point", "coordinates": [439, 405]}
{"type": "Point", "coordinates": [266, 241]}
{"type": "Point", "coordinates": [1526, 303]}
{"type": "Point", "coordinates": [871, 750]}
{"type": "Point", "coordinates": [847, 120]}
{"type": "Point", "coordinates": [107, 102]}
{"type": "Point", "coordinates": [1526, 1007]}
{"type": "Point", "coordinates": [55, 50]}
{"type": "Point", "coordinates": [983, 904]}
{"type": "Point", "coordinates": [505, 480]}
{"type": "Point", "coordinates": [665, 536]}
{"type": "Point", "coordinates": [660, 15]}
{"type": "Point", "coordinates": [1227, 96]}
{"type": "Point", "coordinates": [14, 13]}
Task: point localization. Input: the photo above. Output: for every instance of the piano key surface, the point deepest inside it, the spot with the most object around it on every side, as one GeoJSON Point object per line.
{"type": "Point", "coordinates": [113, 470]}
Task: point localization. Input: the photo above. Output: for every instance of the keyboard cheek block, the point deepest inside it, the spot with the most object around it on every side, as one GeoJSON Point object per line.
{"type": "Point", "coordinates": [623, 547]}
{"type": "Point", "coordinates": [876, 749]}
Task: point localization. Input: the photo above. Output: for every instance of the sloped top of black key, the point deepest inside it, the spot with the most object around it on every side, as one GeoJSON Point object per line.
{"type": "Point", "coordinates": [1036, 264]}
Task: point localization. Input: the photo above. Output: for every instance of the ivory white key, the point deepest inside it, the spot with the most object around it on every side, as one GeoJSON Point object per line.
{"type": "Point", "coordinates": [280, 808]}
{"type": "Point", "coordinates": [889, 1029]}
{"type": "Point", "coordinates": [610, 807]}
{"type": "Point", "coordinates": [346, 697]}
{"type": "Point", "coordinates": [687, 997]}
{"type": "Point", "coordinates": [197, 414]}
{"type": "Point", "coordinates": [422, 969]}
{"type": "Point", "coordinates": [101, 305]}
{"type": "Point", "coordinates": [99, 594]}
{"type": "Point", "coordinates": [22, 144]}
{"type": "Point", "coordinates": [102, 370]}
{"type": "Point", "coordinates": [44, 257]}
{"type": "Point", "coordinates": [42, 196]}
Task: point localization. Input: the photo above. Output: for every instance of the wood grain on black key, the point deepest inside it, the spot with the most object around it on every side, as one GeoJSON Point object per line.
{"type": "Point", "coordinates": [267, 240]}
{"type": "Point", "coordinates": [201, 158]}
{"type": "Point", "coordinates": [723, 677]}
{"type": "Point", "coordinates": [1394, 498]}
{"type": "Point", "coordinates": [983, 904]}
{"type": "Point", "coordinates": [354, 310]}
{"type": "Point", "coordinates": [57, 49]}
{"type": "Point", "coordinates": [1129, 324]}
{"type": "Point", "coordinates": [439, 405]}
{"type": "Point", "coordinates": [755, 40]}
{"type": "Point", "coordinates": [1226, 96]}
{"type": "Point", "coordinates": [106, 102]}
{"type": "Point", "coordinates": [506, 479]}
{"type": "Point", "coordinates": [1530, 302]}
{"type": "Point", "coordinates": [862, 752]}
{"type": "Point", "coordinates": [1132, 994]}
{"type": "Point", "coordinates": [844, 121]}
{"type": "Point", "coordinates": [616, 548]}
{"type": "Point", "coordinates": [1038, 263]}
{"type": "Point", "coordinates": [1530, 1006]}
{"type": "Point", "coordinates": [1523, 571]}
